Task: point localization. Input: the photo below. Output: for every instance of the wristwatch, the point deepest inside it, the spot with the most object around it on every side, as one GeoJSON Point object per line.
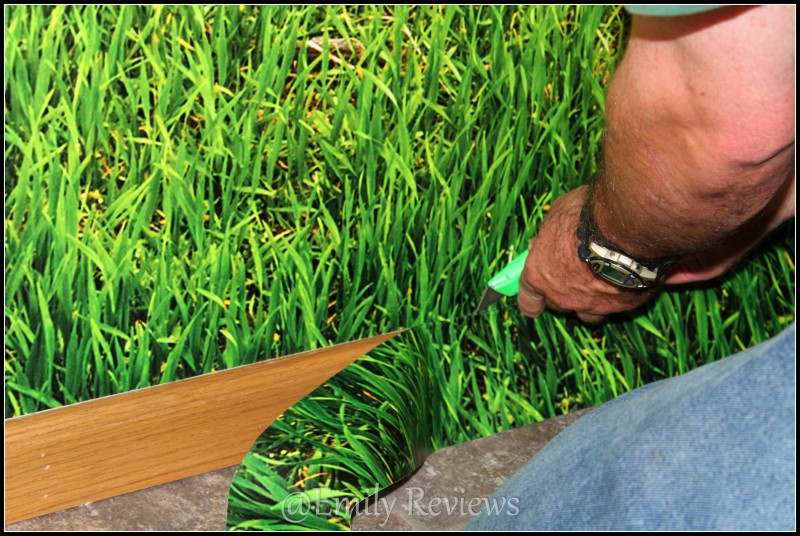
{"type": "Point", "coordinates": [613, 264]}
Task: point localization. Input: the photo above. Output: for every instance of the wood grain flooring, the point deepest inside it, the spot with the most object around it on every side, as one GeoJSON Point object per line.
{"type": "Point", "coordinates": [102, 448]}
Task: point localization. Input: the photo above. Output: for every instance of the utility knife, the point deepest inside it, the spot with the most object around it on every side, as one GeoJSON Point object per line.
{"type": "Point", "coordinates": [505, 283]}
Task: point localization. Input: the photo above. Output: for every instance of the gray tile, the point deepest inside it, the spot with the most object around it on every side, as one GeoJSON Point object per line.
{"type": "Point", "coordinates": [196, 503]}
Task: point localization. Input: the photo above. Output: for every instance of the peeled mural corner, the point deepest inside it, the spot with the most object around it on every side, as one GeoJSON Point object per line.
{"type": "Point", "coordinates": [375, 422]}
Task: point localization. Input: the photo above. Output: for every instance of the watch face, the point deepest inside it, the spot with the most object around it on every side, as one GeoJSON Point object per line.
{"type": "Point", "coordinates": [617, 274]}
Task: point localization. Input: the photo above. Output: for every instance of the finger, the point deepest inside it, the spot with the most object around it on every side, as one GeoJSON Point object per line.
{"type": "Point", "coordinates": [530, 303]}
{"type": "Point", "coordinates": [592, 319]}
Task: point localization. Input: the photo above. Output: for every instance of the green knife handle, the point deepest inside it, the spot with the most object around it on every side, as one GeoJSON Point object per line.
{"type": "Point", "coordinates": [507, 281]}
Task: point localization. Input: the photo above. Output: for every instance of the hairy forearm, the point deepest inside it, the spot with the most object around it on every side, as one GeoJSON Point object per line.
{"type": "Point", "coordinates": [699, 140]}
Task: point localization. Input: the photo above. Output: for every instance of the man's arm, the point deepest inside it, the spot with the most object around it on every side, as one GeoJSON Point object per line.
{"type": "Point", "coordinates": [698, 156]}
{"type": "Point", "coordinates": [700, 132]}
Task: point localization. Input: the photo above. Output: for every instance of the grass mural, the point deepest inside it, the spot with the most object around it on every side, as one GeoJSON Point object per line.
{"type": "Point", "coordinates": [194, 188]}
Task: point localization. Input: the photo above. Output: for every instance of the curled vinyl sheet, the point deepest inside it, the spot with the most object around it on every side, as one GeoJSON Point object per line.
{"type": "Point", "coordinates": [375, 422]}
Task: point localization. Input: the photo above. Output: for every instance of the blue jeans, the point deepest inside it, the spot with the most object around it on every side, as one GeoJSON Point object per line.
{"type": "Point", "coordinates": [713, 449]}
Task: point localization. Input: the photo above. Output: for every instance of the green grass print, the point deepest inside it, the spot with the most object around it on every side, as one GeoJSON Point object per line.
{"type": "Point", "coordinates": [194, 188]}
{"type": "Point", "coordinates": [366, 427]}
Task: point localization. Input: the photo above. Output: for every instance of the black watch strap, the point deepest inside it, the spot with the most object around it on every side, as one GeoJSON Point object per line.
{"type": "Point", "coordinates": [588, 233]}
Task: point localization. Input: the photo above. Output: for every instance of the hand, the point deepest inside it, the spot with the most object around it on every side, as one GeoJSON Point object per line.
{"type": "Point", "coordinates": [557, 278]}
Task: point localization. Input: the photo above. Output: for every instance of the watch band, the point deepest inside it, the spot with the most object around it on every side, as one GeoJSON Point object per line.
{"type": "Point", "coordinates": [594, 243]}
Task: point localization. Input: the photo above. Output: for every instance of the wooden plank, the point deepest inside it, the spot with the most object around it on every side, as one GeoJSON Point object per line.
{"type": "Point", "coordinates": [94, 450]}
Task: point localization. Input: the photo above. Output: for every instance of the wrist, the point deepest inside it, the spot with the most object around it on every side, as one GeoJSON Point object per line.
{"type": "Point", "coordinates": [612, 262]}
